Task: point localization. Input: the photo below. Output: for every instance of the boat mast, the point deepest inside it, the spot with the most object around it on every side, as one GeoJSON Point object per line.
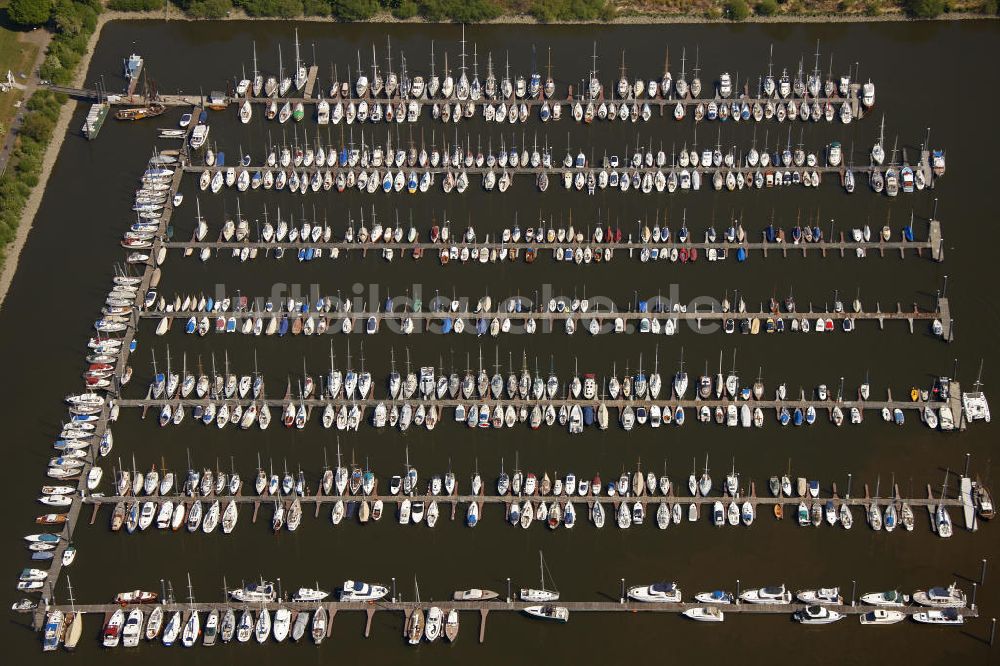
{"type": "Point", "coordinates": [298, 60]}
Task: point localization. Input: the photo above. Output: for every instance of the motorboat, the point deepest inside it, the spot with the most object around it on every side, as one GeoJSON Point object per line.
{"type": "Point", "coordinates": [705, 614]}
{"type": "Point", "coordinates": [261, 592]}
{"type": "Point", "coordinates": [767, 595]}
{"type": "Point", "coordinates": [882, 616]}
{"type": "Point", "coordinates": [945, 616]}
{"type": "Point", "coordinates": [360, 591]}
{"type": "Point", "coordinates": [474, 594]}
{"type": "Point", "coordinates": [823, 595]}
{"type": "Point", "coordinates": [941, 597]}
{"type": "Point", "coordinates": [817, 615]}
{"type": "Point", "coordinates": [888, 598]}
{"type": "Point", "coordinates": [714, 597]}
{"type": "Point", "coordinates": [656, 593]}
{"type": "Point", "coordinates": [548, 612]}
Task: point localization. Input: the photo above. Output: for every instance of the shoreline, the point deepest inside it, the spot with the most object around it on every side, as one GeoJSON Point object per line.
{"type": "Point", "coordinates": [171, 13]}
{"type": "Point", "coordinates": [59, 134]}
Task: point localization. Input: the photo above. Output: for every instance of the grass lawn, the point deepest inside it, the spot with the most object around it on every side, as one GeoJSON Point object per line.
{"type": "Point", "coordinates": [17, 53]}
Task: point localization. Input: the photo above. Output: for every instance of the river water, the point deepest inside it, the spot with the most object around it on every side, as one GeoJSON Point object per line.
{"type": "Point", "coordinates": [928, 75]}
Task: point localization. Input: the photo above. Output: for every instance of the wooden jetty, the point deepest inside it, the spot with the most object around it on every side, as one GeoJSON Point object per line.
{"type": "Point", "coordinates": [555, 171]}
{"type": "Point", "coordinates": [604, 318]}
{"type": "Point", "coordinates": [710, 315]}
{"type": "Point", "coordinates": [484, 608]}
{"type": "Point", "coordinates": [844, 247]}
{"type": "Point", "coordinates": [557, 402]}
{"type": "Point", "coordinates": [98, 501]}
{"type": "Point", "coordinates": [150, 274]}
{"type": "Point", "coordinates": [661, 106]}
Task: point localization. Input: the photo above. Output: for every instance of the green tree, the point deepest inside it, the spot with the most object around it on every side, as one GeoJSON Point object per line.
{"type": "Point", "coordinates": [571, 10]}
{"type": "Point", "coordinates": [925, 8]}
{"type": "Point", "coordinates": [29, 12]}
{"type": "Point", "coordinates": [282, 8]}
{"type": "Point", "coordinates": [354, 10]}
{"type": "Point", "coordinates": [209, 8]}
{"type": "Point", "coordinates": [736, 10]}
{"type": "Point", "coordinates": [315, 7]}
{"type": "Point", "coordinates": [403, 9]}
{"type": "Point", "coordinates": [767, 7]}
{"type": "Point", "coordinates": [67, 18]}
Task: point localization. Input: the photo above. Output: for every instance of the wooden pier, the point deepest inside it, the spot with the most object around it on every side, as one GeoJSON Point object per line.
{"type": "Point", "coordinates": [659, 106]}
{"type": "Point", "coordinates": [334, 321]}
{"type": "Point", "coordinates": [98, 501]}
{"type": "Point", "coordinates": [499, 605]}
{"type": "Point", "coordinates": [933, 246]}
{"type": "Point", "coordinates": [483, 608]}
{"type": "Point", "coordinates": [150, 274]}
{"type": "Point", "coordinates": [556, 402]}
{"type": "Point", "coordinates": [555, 171]}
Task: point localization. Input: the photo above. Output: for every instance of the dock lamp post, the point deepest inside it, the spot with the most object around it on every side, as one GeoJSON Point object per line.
{"type": "Point", "coordinates": [508, 589]}
{"type": "Point", "coordinates": [737, 599]}
{"type": "Point", "coordinates": [854, 587]}
{"type": "Point", "coordinates": [393, 589]}
{"type": "Point", "coordinates": [975, 586]}
{"type": "Point", "coordinates": [622, 598]}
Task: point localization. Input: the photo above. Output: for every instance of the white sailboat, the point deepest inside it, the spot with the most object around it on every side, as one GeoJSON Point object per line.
{"type": "Point", "coordinates": [541, 594]}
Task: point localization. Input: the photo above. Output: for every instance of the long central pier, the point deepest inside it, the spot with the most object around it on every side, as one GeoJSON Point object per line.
{"type": "Point", "coordinates": [554, 170]}
{"type": "Point", "coordinates": [318, 499]}
{"type": "Point", "coordinates": [688, 403]}
{"type": "Point", "coordinates": [407, 607]}
{"type": "Point", "coordinates": [934, 245]}
{"type": "Point", "coordinates": [149, 274]}
{"type": "Point", "coordinates": [711, 315]}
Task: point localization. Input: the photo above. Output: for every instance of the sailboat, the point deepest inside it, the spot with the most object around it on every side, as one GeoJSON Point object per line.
{"type": "Point", "coordinates": [540, 594]}
{"type": "Point", "coordinates": [415, 621]}
{"type": "Point", "coordinates": [705, 482]}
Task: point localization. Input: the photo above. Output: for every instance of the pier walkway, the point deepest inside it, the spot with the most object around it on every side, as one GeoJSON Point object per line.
{"type": "Point", "coordinates": [843, 247]}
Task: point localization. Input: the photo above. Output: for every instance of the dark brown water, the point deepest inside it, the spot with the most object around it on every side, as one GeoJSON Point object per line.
{"type": "Point", "coordinates": [70, 254]}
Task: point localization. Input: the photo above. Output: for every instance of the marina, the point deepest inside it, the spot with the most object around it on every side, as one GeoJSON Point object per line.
{"type": "Point", "coordinates": [632, 413]}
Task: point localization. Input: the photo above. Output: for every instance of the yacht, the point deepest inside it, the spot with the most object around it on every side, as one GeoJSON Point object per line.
{"type": "Point", "coordinates": [945, 616]}
{"type": "Point", "coordinates": [818, 615]}
{"type": "Point", "coordinates": [941, 597]}
{"type": "Point", "coordinates": [254, 593]}
{"type": "Point", "coordinates": [548, 612]}
{"type": "Point", "coordinates": [889, 598]}
{"type": "Point", "coordinates": [656, 593]}
{"type": "Point", "coordinates": [767, 595]}
{"type": "Point", "coordinates": [355, 590]}
{"type": "Point", "coordinates": [882, 616]}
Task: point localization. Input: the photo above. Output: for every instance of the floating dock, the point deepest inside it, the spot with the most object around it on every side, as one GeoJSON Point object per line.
{"type": "Point", "coordinates": [844, 247]}
{"type": "Point", "coordinates": [334, 321]}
